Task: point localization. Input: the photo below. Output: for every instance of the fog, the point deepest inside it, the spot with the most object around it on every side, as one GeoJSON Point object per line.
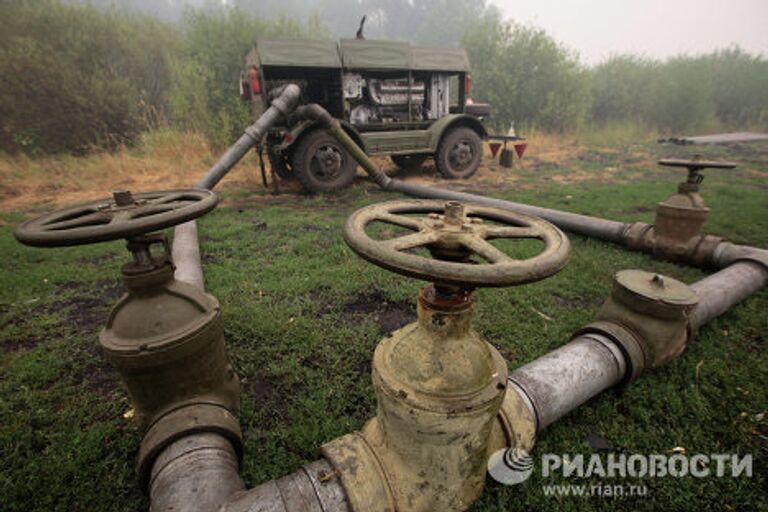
{"type": "Point", "coordinates": [594, 29]}
{"type": "Point", "coordinates": [653, 28]}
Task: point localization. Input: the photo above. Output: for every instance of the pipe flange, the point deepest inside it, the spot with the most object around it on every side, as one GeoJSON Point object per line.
{"type": "Point", "coordinates": [633, 349]}
{"type": "Point", "coordinates": [639, 236]}
{"type": "Point", "coordinates": [194, 418]}
{"type": "Point", "coordinates": [361, 473]}
{"type": "Point", "coordinates": [727, 253]}
{"type": "Point", "coordinates": [518, 418]}
{"type": "Point", "coordinates": [285, 103]}
{"type": "Point", "coordinates": [704, 250]}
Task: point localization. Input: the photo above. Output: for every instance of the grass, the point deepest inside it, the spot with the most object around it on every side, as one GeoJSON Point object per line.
{"type": "Point", "coordinates": [303, 315]}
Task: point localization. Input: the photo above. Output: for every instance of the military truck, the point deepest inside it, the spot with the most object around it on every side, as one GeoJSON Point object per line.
{"type": "Point", "coordinates": [393, 98]}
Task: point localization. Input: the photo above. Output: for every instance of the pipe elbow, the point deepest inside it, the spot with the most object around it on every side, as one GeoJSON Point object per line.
{"type": "Point", "coordinates": [286, 98]}
{"type": "Point", "coordinates": [315, 112]}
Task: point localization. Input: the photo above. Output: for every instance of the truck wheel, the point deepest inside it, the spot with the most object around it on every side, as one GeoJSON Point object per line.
{"type": "Point", "coordinates": [321, 164]}
{"type": "Point", "coordinates": [280, 165]}
{"type": "Point", "coordinates": [408, 161]}
{"type": "Point", "coordinates": [459, 153]}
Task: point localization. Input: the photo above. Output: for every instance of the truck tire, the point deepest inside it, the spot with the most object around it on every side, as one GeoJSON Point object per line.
{"type": "Point", "coordinates": [408, 161]}
{"type": "Point", "coordinates": [321, 164]}
{"type": "Point", "coordinates": [459, 153]}
{"type": "Point", "coordinates": [280, 165]}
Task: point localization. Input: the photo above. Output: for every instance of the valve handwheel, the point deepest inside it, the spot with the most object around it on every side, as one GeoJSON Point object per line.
{"type": "Point", "coordinates": [125, 215]}
{"type": "Point", "coordinates": [696, 163]}
{"type": "Point", "coordinates": [453, 232]}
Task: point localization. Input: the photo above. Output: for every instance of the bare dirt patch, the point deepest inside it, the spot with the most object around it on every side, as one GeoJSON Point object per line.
{"type": "Point", "coordinates": [390, 316]}
{"type": "Point", "coordinates": [271, 393]}
{"type": "Point", "coordinates": [84, 310]}
{"type": "Point", "coordinates": [177, 160]}
{"type": "Point", "coordinates": [20, 343]}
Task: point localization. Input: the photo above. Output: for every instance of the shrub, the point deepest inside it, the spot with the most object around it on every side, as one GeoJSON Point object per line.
{"type": "Point", "coordinates": [527, 77]}
{"type": "Point", "coordinates": [204, 94]}
{"type": "Point", "coordinates": [74, 77]}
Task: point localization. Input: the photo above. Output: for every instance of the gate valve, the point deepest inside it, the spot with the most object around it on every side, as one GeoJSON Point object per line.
{"type": "Point", "coordinates": [677, 232]}
{"type": "Point", "coordinates": [439, 384]}
{"type": "Point", "coordinates": [694, 166]}
{"type": "Point", "coordinates": [165, 337]}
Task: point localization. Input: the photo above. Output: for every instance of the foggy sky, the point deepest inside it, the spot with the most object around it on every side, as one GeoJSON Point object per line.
{"type": "Point", "coordinates": [654, 28]}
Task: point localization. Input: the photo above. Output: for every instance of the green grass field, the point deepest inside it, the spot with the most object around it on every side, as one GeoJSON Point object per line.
{"type": "Point", "coordinates": [303, 315]}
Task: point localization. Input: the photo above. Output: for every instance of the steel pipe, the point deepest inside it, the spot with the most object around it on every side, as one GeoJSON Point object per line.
{"type": "Point", "coordinates": [313, 488]}
{"type": "Point", "coordinates": [721, 291]}
{"type": "Point", "coordinates": [567, 377]}
{"type": "Point", "coordinates": [282, 105]}
{"type": "Point", "coordinates": [186, 255]}
{"type": "Point", "coordinates": [727, 253]}
{"type": "Point", "coordinates": [186, 248]}
{"type": "Point", "coordinates": [198, 473]}
{"type": "Point", "coordinates": [551, 386]}
{"type": "Point", "coordinates": [603, 229]}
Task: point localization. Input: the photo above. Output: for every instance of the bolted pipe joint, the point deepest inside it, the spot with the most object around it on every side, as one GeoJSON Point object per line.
{"type": "Point", "coordinates": [647, 316]}
{"type": "Point", "coordinates": [671, 244]}
{"type": "Point", "coordinates": [727, 254]}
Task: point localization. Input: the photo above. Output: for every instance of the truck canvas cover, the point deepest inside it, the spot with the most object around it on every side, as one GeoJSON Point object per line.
{"type": "Point", "coordinates": [298, 53]}
{"type": "Point", "coordinates": [360, 54]}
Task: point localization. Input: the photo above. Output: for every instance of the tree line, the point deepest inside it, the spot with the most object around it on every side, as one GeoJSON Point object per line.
{"type": "Point", "coordinates": [76, 76]}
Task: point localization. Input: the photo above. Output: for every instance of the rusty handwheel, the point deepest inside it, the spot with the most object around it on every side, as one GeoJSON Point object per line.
{"type": "Point", "coordinates": [124, 215]}
{"type": "Point", "coordinates": [453, 233]}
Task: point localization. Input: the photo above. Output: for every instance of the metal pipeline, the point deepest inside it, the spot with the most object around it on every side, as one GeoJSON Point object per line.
{"type": "Point", "coordinates": [560, 381]}
{"type": "Point", "coordinates": [546, 389]}
{"type": "Point", "coordinates": [313, 488]}
{"type": "Point", "coordinates": [567, 377]}
{"type": "Point", "coordinates": [721, 291]}
{"type": "Point", "coordinates": [186, 249]}
{"type": "Point", "coordinates": [199, 472]}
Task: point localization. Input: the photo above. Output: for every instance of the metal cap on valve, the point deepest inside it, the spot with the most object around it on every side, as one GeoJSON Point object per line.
{"type": "Point", "coordinates": [653, 293]}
